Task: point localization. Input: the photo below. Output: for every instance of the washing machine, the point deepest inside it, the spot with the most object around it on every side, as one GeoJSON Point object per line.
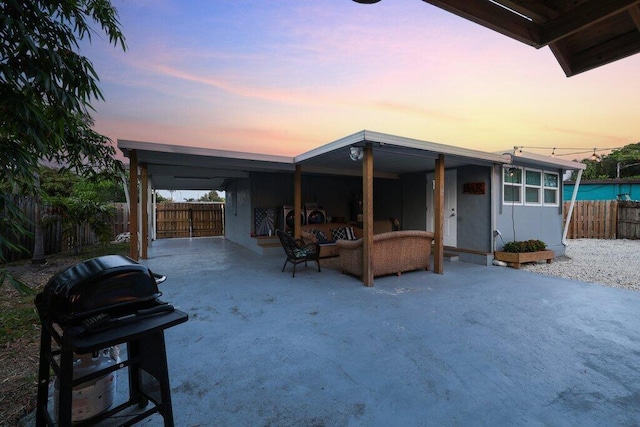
{"type": "Point", "coordinates": [316, 216]}
{"type": "Point", "coordinates": [288, 217]}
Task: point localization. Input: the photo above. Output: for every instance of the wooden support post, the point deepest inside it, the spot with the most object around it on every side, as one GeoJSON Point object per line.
{"type": "Point", "coordinates": [367, 213]}
{"type": "Point", "coordinates": [438, 216]}
{"type": "Point", "coordinates": [133, 202]}
{"type": "Point", "coordinates": [144, 203]}
{"type": "Point", "coordinates": [297, 202]}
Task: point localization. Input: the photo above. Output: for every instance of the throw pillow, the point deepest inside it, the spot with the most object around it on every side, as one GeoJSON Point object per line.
{"type": "Point", "coordinates": [320, 236]}
{"type": "Point", "coordinates": [338, 233]}
{"type": "Point", "coordinates": [344, 233]}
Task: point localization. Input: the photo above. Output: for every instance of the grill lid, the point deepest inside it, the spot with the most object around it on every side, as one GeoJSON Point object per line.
{"type": "Point", "coordinates": [112, 284]}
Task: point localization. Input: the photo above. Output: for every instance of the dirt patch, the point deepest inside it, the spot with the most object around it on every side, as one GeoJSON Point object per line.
{"type": "Point", "coordinates": [20, 332]}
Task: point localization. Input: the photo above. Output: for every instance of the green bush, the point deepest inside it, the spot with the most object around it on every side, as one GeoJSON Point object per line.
{"type": "Point", "coordinates": [525, 246]}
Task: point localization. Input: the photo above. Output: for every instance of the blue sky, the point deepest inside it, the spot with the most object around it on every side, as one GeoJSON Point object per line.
{"type": "Point", "coordinates": [285, 76]}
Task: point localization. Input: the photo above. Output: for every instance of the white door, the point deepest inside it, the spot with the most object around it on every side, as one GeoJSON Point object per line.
{"type": "Point", "coordinates": [450, 206]}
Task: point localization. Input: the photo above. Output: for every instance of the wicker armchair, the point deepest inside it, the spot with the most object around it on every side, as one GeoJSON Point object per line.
{"type": "Point", "coordinates": [297, 251]}
{"type": "Point", "coordinates": [393, 253]}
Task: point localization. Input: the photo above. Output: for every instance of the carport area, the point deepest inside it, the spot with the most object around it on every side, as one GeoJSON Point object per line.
{"type": "Point", "coordinates": [474, 346]}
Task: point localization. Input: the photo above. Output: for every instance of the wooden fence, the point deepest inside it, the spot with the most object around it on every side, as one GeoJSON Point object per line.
{"type": "Point", "coordinates": [628, 220]}
{"type": "Point", "coordinates": [52, 232]}
{"type": "Point", "coordinates": [592, 219]}
{"type": "Point", "coordinates": [189, 220]}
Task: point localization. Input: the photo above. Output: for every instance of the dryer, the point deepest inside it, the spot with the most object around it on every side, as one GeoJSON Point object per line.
{"type": "Point", "coordinates": [316, 216]}
{"type": "Point", "coordinates": [288, 218]}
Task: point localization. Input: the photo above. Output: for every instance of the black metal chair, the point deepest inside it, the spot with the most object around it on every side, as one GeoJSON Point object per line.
{"type": "Point", "coordinates": [297, 251]}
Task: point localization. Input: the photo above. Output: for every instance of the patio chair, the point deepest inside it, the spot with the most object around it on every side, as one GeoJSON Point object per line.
{"type": "Point", "coordinates": [297, 251]}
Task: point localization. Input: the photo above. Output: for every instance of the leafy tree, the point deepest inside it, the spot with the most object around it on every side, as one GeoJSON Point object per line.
{"type": "Point", "coordinates": [46, 90]}
{"type": "Point", "coordinates": [80, 211]}
{"type": "Point", "coordinates": [160, 198]}
{"type": "Point", "coordinates": [628, 157]}
{"type": "Point", "coordinates": [211, 196]}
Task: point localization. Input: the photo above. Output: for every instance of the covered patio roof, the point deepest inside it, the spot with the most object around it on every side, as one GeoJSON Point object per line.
{"type": "Point", "coordinates": [174, 167]}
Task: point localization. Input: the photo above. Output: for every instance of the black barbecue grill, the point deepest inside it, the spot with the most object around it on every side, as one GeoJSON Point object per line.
{"type": "Point", "coordinates": [112, 285]}
{"type": "Point", "coordinates": [100, 303]}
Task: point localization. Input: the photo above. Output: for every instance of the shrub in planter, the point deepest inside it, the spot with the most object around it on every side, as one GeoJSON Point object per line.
{"type": "Point", "coordinates": [525, 246]}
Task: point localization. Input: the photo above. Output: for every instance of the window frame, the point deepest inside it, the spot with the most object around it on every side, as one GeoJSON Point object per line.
{"type": "Point", "coordinates": [538, 187]}
{"type": "Point", "coordinates": [556, 203]}
{"type": "Point", "coordinates": [522, 187]}
{"type": "Point", "coordinates": [510, 184]}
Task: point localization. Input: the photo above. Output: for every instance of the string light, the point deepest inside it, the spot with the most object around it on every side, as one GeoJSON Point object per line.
{"type": "Point", "coordinates": [557, 151]}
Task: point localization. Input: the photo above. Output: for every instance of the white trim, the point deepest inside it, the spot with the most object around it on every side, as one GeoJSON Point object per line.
{"type": "Point", "coordinates": [367, 136]}
{"type": "Point", "coordinates": [525, 186]}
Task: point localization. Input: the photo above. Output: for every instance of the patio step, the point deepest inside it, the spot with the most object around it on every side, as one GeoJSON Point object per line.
{"type": "Point", "coordinates": [451, 257]}
{"type": "Point", "coordinates": [269, 245]}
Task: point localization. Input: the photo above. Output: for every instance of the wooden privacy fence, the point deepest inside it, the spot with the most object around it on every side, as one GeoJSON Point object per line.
{"type": "Point", "coordinates": [189, 220]}
{"type": "Point", "coordinates": [628, 220]}
{"type": "Point", "coordinates": [592, 219]}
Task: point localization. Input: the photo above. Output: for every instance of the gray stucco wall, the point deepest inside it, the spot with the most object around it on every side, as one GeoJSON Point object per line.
{"type": "Point", "coordinates": [529, 222]}
{"type": "Point", "coordinates": [414, 201]}
{"type": "Point", "coordinates": [474, 210]}
{"type": "Point", "coordinates": [238, 212]}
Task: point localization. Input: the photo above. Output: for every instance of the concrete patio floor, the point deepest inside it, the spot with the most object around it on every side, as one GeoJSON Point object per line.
{"type": "Point", "coordinates": [474, 346]}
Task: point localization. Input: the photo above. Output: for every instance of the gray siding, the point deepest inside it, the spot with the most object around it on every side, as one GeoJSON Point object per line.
{"type": "Point", "coordinates": [517, 223]}
{"type": "Point", "coordinates": [238, 212]}
{"type": "Point", "coordinates": [474, 210]}
{"type": "Point", "coordinates": [414, 201]}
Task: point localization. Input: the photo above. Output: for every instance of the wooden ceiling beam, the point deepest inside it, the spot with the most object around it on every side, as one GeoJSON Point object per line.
{"type": "Point", "coordinates": [583, 16]}
{"type": "Point", "coordinates": [621, 47]}
{"type": "Point", "coordinates": [495, 17]}
{"type": "Point", "coordinates": [635, 15]}
{"type": "Point", "coordinates": [537, 11]}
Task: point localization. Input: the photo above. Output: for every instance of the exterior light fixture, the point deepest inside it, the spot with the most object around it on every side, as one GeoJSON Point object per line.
{"type": "Point", "coordinates": [594, 156]}
{"type": "Point", "coordinates": [356, 153]}
{"type": "Point", "coordinates": [553, 152]}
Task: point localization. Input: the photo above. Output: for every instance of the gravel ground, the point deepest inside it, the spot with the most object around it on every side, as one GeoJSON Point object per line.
{"type": "Point", "coordinates": [614, 263]}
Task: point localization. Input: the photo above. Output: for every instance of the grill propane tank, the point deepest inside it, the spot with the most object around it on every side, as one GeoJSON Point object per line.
{"type": "Point", "coordinates": [95, 396]}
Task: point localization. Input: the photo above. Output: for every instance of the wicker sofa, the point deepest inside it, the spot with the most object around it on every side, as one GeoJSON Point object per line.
{"type": "Point", "coordinates": [330, 249]}
{"type": "Point", "coordinates": [326, 249]}
{"type": "Point", "coordinates": [393, 253]}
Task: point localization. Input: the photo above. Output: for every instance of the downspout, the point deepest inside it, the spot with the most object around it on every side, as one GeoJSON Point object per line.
{"type": "Point", "coordinates": [571, 205]}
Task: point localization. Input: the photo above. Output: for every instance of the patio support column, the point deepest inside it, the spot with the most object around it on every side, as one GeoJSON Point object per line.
{"type": "Point", "coordinates": [438, 216]}
{"type": "Point", "coordinates": [297, 202]}
{"type": "Point", "coordinates": [144, 203]}
{"type": "Point", "coordinates": [367, 213]}
{"type": "Point", "coordinates": [133, 207]}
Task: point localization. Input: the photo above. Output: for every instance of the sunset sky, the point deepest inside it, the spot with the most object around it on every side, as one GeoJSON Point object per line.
{"type": "Point", "coordinates": [286, 76]}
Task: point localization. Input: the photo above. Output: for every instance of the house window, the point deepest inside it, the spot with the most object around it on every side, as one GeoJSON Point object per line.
{"type": "Point", "coordinates": [512, 179]}
{"type": "Point", "coordinates": [551, 189]}
{"type": "Point", "coordinates": [531, 187]}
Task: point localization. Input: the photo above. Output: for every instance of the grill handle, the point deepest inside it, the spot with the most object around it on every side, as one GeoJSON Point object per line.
{"type": "Point", "coordinates": [159, 278]}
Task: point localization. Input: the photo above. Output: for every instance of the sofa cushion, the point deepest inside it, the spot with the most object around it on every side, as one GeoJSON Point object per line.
{"type": "Point", "coordinates": [320, 236]}
{"type": "Point", "coordinates": [343, 233]}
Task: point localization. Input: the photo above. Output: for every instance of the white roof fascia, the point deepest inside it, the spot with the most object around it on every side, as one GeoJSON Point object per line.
{"type": "Point", "coordinates": [548, 160]}
{"type": "Point", "coordinates": [206, 152]}
{"type": "Point", "coordinates": [332, 146]}
{"type": "Point", "coordinates": [386, 139]}
{"type": "Point", "coordinates": [450, 150]}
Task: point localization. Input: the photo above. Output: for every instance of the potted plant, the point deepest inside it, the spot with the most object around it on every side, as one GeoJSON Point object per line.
{"type": "Point", "coordinates": [516, 253]}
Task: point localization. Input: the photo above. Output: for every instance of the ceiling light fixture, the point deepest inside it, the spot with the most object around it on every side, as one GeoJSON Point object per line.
{"type": "Point", "coordinates": [356, 153]}
{"type": "Point", "coordinates": [366, 1]}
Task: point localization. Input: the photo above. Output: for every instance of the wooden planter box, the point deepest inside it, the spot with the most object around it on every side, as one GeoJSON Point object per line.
{"type": "Point", "coordinates": [518, 258]}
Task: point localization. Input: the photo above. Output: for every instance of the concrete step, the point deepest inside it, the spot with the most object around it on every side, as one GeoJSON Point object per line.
{"type": "Point", "coordinates": [451, 257]}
